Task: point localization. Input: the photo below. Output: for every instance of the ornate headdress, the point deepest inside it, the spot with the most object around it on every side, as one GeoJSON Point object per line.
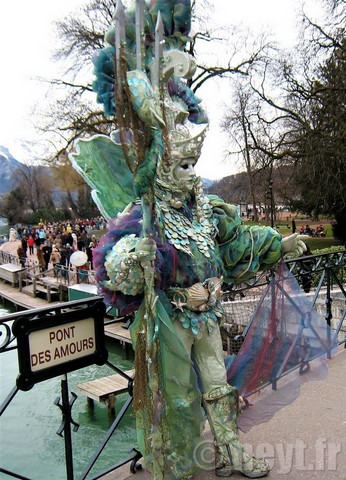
{"type": "Point", "coordinates": [184, 143]}
{"type": "Point", "coordinates": [140, 78]}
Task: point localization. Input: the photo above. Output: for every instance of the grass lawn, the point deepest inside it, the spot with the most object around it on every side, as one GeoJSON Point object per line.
{"type": "Point", "coordinates": [314, 243]}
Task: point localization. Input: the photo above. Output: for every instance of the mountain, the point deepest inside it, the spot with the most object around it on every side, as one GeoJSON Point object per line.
{"type": "Point", "coordinates": [8, 165]}
{"type": "Point", "coordinates": [207, 183]}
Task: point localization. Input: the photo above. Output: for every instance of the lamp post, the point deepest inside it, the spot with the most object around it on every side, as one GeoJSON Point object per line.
{"type": "Point", "coordinates": [271, 203]}
{"type": "Point", "coordinates": [271, 200]}
{"type": "Point", "coordinates": [241, 204]}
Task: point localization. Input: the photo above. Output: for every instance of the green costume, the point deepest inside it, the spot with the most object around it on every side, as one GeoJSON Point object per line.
{"type": "Point", "coordinates": [193, 252]}
{"type": "Point", "coordinates": [168, 252]}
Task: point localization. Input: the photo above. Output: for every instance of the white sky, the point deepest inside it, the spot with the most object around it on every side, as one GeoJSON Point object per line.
{"type": "Point", "coordinates": [27, 40]}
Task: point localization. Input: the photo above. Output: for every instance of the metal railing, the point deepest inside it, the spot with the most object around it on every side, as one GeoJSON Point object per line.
{"type": "Point", "coordinates": [64, 274]}
{"type": "Point", "coordinates": [322, 277]}
{"type": "Point", "coordinates": [9, 342]}
{"type": "Point", "coordinates": [331, 280]}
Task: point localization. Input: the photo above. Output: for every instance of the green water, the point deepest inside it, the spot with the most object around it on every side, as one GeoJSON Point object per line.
{"type": "Point", "coordinates": [29, 445]}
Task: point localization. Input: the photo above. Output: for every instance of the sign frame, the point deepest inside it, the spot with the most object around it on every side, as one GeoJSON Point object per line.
{"type": "Point", "coordinates": [24, 326]}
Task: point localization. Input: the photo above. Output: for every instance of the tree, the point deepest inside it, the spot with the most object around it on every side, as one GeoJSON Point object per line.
{"type": "Point", "coordinates": [242, 124]}
{"type": "Point", "coordinates": [321, 172]}
{"type": "Point", "coordinates": [37, 185]}
{"type": "Point", "coordinates": [322, 176]}
{"type": "Point", "coordinates": [11, 206]}
{"type": "Point", "coordinates": [300, 119]}
{"type": "Point", "coordinates": [75, 113]}
{"type": "Point", "coordinates": [49, 192]}
{"type": "Point", "coordinates": [77, 194]}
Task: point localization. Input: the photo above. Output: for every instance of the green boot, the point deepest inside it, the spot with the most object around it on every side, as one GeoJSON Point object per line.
{"type": "Point", "coordinates": [221, 406]}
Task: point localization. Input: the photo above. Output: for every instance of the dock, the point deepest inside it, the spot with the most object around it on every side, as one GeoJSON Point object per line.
{"type": "Point", "coordinates": [23, 300]}
{"type": "Point", "coordinates": [118, 331]}
{"type": "Point", "coordinates": [106, 389]}
{"type": "Point", "coordinates": [115, 330]}
{"type": "Point", "coordinates": [10, 273]}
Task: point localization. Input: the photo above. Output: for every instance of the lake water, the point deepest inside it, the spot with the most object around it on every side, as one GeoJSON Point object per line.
{"type": "Point", "coordinates": [29, 445]}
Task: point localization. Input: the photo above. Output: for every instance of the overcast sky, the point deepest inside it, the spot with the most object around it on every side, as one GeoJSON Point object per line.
{"type": "Point", "coordinates": [27, 40]}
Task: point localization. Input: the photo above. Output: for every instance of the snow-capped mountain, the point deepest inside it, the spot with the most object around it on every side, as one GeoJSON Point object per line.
{"type": "Point", "coordinates": [8, 165]}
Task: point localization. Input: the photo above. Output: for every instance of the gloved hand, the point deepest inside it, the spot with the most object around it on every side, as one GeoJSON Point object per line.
{"type": "Point", "coordinates": [293, 246]}
{"type": "Point", "coordinates": [146, 249]}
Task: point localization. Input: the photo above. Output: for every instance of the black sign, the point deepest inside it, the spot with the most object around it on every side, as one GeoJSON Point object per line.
{"type": "Point", "coordinates": [54, 345]}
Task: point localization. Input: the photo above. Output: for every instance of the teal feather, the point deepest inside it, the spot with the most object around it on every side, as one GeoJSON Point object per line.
{"type": "Point", "coordinates": [165, 8]}
{"type": "Point", "coordinates": [103, 84]}
{"type": "Point", "coordinates": [182, 16]}
{"type": "Point", "coordinates": [101, 162]}
{"type": "Point", "coordinates": [176, 15]}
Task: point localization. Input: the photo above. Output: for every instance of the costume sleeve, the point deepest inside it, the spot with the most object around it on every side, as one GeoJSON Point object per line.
{"type": "Point", "coordinates": [244, 249]}
{"type": "Point", "coordinates": [118, 275]}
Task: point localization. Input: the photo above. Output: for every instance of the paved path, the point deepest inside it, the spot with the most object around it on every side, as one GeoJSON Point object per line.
{"type": "Point", "coordinates": [304, 440]}
{"type": "Point", "coordinates": [11, 247]}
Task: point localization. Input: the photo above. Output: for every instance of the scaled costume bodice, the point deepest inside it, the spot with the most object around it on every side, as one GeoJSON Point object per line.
{"type": "Point", "coordinates": [190, 250]}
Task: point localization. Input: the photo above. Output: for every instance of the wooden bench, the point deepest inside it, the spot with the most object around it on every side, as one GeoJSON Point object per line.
{"type": "Point", "coordinates": [105, 389]}
{"type": "Point", "coordinates": [117, 331]}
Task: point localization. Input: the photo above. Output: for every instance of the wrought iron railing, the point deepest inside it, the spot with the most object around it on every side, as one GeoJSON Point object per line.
{"type": "Point", "coordinates": [331, 285]}
{"type": "Point", "coordinates": [63, 274]}
{"type": "Point", "coordinates": [9, 342]}
{"type": "Point", "coordinates": [321, 276]}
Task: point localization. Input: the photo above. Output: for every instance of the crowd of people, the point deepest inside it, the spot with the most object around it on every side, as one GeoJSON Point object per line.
{"type": "Point", "coordinates": [54, 243]}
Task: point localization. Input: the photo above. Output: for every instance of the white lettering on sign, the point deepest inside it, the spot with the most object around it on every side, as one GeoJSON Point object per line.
{"type": "Point", "coordinates": [56, 345]}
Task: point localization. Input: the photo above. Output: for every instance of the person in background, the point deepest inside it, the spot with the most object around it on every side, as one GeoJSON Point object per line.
{"type": "Point", "coordinates": [37, 240]}
{"type": "Point", "coordinates": [13, 235]}
{"type": "Point", "coordinates": [42, 235]}
{"type": "Point", "coordinates": [69, 239]}
{"type": "Point", "coordinates": [22, 255]}
{"type": "Point", "coordinates": [294, 227]}
{"type": "Point", "coordinates": [55, 259]}
{"type": "Point", "coordinates": [94, 239]}
{"type": "Point", "coordinates": [46, 250]}
{"type": "Point", "coordinates": [320, 232]}
{"type": "Point", "coordinates": [74, 241]}
{"type": "Point", "coordinates": [24, 244]}
{"type": "Point", "coordinates": [62, 264]}
{"type": "Point", "coordinates": [81, 243]}
{"type": "Point", "coordinates": [69, 251]}
{"type": "Point", "coordinates": [31, 243]}
{"type": "Point", "coordinates": [40, 258]}
{"type": "Point", "coordinates": [89, 252]}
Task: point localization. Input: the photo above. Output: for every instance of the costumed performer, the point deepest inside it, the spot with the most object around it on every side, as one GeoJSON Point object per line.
{"type": "Point", "coordinates": [199, 243]}
{"type": "Point", "coordinates": [172, 245]}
